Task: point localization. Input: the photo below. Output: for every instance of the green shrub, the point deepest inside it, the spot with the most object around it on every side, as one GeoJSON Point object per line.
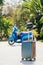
{"type": "Point", "coordinates": [22, 28]}
{"type": "Point", "coordinates": [5, 27]}
{"type": "Point", "coordinates": [41, 32]}
{"type": "Point", "coordinates": [35, 33]}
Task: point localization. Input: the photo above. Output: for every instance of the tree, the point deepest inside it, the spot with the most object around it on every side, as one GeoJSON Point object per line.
{"type": "Point", "coordinates": [1, 23]}
{"type": "Point", "coordinates": [5, 26]}
{"type": "Point", "coordinates": [41, 2]}
{"type": "Point", "coordinates": [1, 2]}
{"type": "Point", "coordinates": [25, 15]}
{"type": "Point", "coordinates": [36, 9]}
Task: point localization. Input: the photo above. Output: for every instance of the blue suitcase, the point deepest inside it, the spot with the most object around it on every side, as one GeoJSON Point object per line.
{"type": "Point", "coordinates": [27, 48]}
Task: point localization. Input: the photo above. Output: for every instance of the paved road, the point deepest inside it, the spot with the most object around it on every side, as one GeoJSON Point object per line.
{"type": "Point", "coordinates": [11, 55]}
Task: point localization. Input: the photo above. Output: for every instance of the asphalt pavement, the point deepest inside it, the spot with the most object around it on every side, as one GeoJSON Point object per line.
{"type": "Point", "coordinates": [11, 55]}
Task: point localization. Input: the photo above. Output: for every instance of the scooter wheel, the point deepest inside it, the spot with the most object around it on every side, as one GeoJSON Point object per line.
{"type": "Point", "coordinates": [11, 42]}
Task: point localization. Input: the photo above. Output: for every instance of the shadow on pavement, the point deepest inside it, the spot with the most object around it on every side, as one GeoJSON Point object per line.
{"type": "Point", "coordinates": [14, 45]}
{"type": "Point", "coordinates": [24, 62]}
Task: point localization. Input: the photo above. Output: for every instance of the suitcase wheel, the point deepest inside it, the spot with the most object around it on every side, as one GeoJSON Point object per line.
{"type": "Point", "coordinates": [34, 58]}
{"type": "Point", "coordinates": [30, 59]}
{"type": "Point", "coordinates": [22, 58]}
{"type": "Point", "coordinates": [26, 58]}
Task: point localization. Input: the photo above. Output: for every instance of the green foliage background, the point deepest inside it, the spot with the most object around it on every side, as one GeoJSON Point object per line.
{"type": "Point", "coordinates": [28, 11]}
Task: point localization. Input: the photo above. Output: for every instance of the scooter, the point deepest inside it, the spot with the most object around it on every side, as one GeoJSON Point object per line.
{"type": "Point", "coordinates": [18, 38]}
{"type": "Point", "coordinates": [14, 37]}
